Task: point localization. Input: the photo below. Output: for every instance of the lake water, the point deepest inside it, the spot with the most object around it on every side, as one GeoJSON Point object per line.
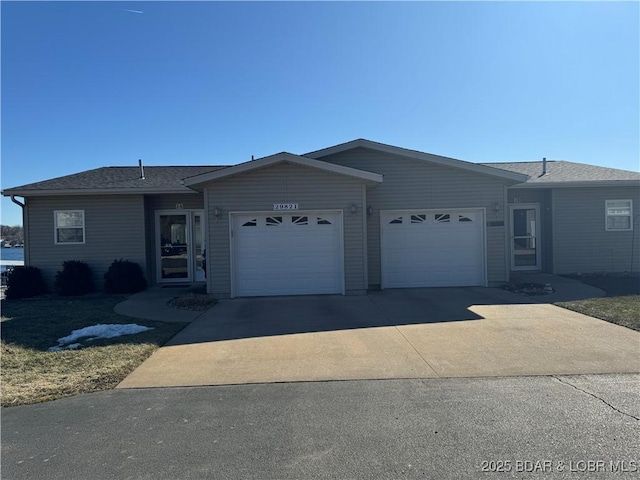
{"type": "Point", "coordinates": [15, 254]}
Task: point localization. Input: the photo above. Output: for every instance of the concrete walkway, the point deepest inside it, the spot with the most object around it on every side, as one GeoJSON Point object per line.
{"type": "Point", "coordinates": [151, 304]}
{"type": "Point", "coordinates": [410, 333]}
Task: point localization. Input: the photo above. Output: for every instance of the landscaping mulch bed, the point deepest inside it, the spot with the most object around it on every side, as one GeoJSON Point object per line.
{"type": "Point", "coordinates": [529, 288]}
{"type": "Point", "coordinates": [193, 302]}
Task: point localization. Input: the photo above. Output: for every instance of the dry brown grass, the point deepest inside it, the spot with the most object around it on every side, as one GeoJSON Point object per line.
{"type": "Point", "coordinates": [623, 310]}
{"type": "Point", "coordinates": [32, 374]}
{"type": "Point", "coordinates": [30, 377]}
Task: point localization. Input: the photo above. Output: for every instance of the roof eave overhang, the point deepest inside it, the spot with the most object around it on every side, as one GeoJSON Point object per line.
{"type": "Point", "coordinates": [94, 191]}
{"type": "Point", "coordinates": [416, 155]}
{"type": "Point", "coordinates": [576, 184]}
{"type": "Point", "coordinates": [367, 177]}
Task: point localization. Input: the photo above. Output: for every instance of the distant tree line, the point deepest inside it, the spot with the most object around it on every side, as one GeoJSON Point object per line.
{"type": "Point", "coordinates": [12, 234]}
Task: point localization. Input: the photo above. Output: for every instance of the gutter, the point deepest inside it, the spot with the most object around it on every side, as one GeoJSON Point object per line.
{"type": "Point", "coordinates": [575, 184]}
{"type": "Point", "coordinates": [95, 191]}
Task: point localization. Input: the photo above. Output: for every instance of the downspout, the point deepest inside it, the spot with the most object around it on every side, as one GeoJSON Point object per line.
{"type": "Point", "coordinates": [633, 243]}
{"type": "Point", "coordinates": [17, 202]}
{"type": "Point", "coordinates": [25, 230]}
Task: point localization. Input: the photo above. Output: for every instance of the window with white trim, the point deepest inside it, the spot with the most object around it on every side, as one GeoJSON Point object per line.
{"type": "Point", "coordinates": [618, 215]}
{"type": "Point", "coordinates": [68, 227]}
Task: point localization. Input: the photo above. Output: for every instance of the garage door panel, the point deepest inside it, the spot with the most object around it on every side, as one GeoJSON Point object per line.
{"type": "Point", "coordinates": [288, 254]}
{"type": "Point", "coordinates": [432, 248]}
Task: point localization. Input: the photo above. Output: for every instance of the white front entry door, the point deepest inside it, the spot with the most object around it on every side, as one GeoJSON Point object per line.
{"type": "Point", "coordinates": [277, 253]}
{"type": "Point", "coordinates": [180, 246]}
{"type": "Point", "coordinates": [525, 237]}
{"type": "Point", "coordinates": [433, 248]}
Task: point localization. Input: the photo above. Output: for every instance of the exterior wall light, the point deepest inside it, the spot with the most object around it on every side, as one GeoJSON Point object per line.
{"type": "Point", "coordinates": [353, 208]}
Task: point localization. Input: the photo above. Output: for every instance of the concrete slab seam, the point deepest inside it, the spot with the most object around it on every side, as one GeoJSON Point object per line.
{"type": "Point", "coordinates": [416, 350]}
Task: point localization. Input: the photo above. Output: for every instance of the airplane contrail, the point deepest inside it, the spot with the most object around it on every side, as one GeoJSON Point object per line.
{"type": "Point", "coordinates": [132, 11]}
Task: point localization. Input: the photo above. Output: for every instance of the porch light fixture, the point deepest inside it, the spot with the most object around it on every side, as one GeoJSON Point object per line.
{"type": "Point", "coordinates": [369, 211]}
{"type": "Point", "coordinates": [353, 208]}
{"type": "Point", "coordinates": [496, 207]}
{"type": "Point", "coordinates": [216, 212]}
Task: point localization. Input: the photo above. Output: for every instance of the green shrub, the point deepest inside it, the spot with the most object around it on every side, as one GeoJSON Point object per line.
{"type": "Point", "coordinates": [124, 276]}
{"type": "Point", "coordinates": [74, 279]}
{"type": "Point", "coordinates": [24, 282]}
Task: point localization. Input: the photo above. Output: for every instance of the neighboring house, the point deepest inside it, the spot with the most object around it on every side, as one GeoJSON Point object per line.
{"type": "Point", "coordinates": [342, 220]}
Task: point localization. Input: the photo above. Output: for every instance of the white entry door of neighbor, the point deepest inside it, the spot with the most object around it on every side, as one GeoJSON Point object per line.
{"type": "Point", "coordinates": [278, 253]}
{"type": "Point", "coordinates": [433, 248]}
{"type": "Point", "coordinates": [180, 245]}
{"type": "Point", "coordinates": [525, 237]}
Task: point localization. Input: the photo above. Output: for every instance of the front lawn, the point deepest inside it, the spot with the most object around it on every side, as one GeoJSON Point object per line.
{"type": "Point", "coordinates": [31, 374]}
{"type": "Point", "coordinates": [622, 304]}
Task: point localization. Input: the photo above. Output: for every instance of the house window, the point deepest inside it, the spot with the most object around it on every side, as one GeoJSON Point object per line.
{"type": "Point", "coordinates": [618, 215]}
{"type": "Point", "coordinates": [68, 226]}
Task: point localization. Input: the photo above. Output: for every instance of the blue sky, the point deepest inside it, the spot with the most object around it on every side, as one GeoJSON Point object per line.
{"type": "Point", "coordinates": [90, 84]}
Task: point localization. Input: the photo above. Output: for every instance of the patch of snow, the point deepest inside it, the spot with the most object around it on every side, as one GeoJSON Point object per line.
{"type": "Point", "coordinates": [95, 332]}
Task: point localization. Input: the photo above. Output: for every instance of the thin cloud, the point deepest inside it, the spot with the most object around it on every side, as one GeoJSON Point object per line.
{"type": "Point", "coordinates": [132, 11]}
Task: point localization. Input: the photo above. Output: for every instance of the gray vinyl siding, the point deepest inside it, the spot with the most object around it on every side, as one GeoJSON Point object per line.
{"type": "Point", "coordinates": [414, 184]}
{"type": "Point", "coordinates": [542, 197]}
{"type": "Point", "coordinates": [581, 241]}
{"type": "Point", "coordinates": [190, 201]}
{"type": "Point", "coordinates": [258, 190]}
{"type": "Point", "coordinates": [114, 229]}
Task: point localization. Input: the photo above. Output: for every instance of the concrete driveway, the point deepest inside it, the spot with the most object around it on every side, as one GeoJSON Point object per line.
{"type": "Point", "coordinates": [411, 333]}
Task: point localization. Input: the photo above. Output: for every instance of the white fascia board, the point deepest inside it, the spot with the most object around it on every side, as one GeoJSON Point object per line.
{"type": "Point", "coordinates": [95, 191]}
{"type": "Point", "coordinates": [414, 154]}
{"type": "Point", "coordinates": [279, 158]}
{"type": "Point", "coordinates": [595, 183]}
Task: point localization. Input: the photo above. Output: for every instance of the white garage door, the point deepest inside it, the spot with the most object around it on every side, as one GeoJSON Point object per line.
{"type": "Point", "coordinates": [428, 248]}
{"type": "Point", "coordinates": [287, 253]}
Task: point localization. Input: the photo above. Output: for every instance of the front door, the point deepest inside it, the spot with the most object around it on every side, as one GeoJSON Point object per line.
{"type": "Point", "coordinates": [180, 246]}
{"type": "Point", "coordinates": [525, 237]}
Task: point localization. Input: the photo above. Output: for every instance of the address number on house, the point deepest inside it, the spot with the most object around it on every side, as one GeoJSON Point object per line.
{"type": "Point", "coordinates": [285, 206]}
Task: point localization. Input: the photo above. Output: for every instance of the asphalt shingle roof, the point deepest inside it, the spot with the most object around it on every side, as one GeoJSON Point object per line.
{"type": "Point", "coordinates": [561, 171]}
{"type": "Point", "coordinates": [114, 178]}
{"type": "Point", "coordinates": [170, 177]}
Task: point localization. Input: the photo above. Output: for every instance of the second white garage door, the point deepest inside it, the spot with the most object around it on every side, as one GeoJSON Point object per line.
{"type": "Point", "coordinates": [428, 248]}
{"type": "Point", "coordinates": [287, 253]}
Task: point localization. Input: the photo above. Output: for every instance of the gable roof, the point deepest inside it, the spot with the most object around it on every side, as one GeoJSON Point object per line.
{"type": "Point", "coordinates": [116, 180]}
{"type": "Point", "coordinates": [282, 158]}
{"type": "Point", "coordinates": [178, 179]}
{"type": "Point", "coordinates": [561, 173]}
{"type": "Point", "coordinates": [416, 155]}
